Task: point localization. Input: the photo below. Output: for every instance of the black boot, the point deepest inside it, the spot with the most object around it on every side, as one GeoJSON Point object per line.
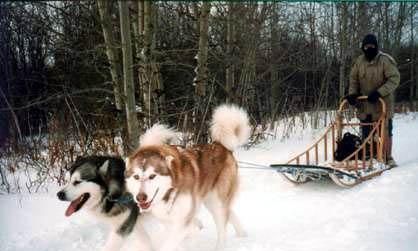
{"type": "Point", "coordinates": [389, 159]}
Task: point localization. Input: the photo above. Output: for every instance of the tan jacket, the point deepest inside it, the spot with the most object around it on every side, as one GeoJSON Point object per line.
{"type": "Point", "coordinates": [380, 74]}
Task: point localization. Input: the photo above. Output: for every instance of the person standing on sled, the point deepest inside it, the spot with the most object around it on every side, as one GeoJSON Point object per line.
{"type": "Point", "coordinates": [374, 75]}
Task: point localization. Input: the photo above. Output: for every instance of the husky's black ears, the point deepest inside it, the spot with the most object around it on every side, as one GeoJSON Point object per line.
{"type": "Point", "coordinates": [115, 190]}
{"type": "Point", "coordinates": [104, 168]}
{"type": "Point", "coordinates": [113, 177]}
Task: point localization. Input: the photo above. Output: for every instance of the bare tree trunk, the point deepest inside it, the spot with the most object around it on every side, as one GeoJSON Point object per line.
{"type": "Point", "coordinates": [136, 24]}
{"type": "Point", "coordinates": [196, 11]}
{"type": "Point", "coordinates": [130, 106]}
{"type": "Point", "coordinates": [399, 26]}
{"type": "Point", "coordinates": [146, 81]}
{"type": "Point", "coordinates": [343, 47]}
{"type": "Point", "coordinates": [331, 31]}
{"type": "Point", "coordinates": [137, 46]}
{"type": "Point", "coordinates": [111, 51]}
{"type": "Point", "coordinates": [157, 80]}
{"type": "Point", "coordinates": [141, 16]}
{"type": "Point", "coordinates": [149, 73]}
{"type": "Point", "coordinates": [230, 44]}
{"type": "Point", "coordinates": [248, 69]}
{"type": "Point", "coordinates": [363, 20]}
{"type": "Point", "coordinates": [274, 67]}
{"type": "Point", "coordinates": [201, 79]}
{"type": "Point", "coordinates": [140, 48]}
{"type": "Point", "coordinates": [386, 42]}
{"type": "Point", "coordinates": [354, 40]}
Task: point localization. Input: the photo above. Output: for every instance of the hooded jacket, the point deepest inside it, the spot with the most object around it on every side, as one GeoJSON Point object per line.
{"type": "Point", "coordinates": [379, 74]}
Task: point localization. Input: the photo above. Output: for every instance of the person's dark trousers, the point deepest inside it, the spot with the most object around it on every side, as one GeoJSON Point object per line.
{"type": "Point", "coordinates": [389, 143]}
{"type": "Point", "coordinates": [365, 130]}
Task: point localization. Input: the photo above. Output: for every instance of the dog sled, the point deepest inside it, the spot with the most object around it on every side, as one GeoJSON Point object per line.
{"type": "Point", "coordinates": [365, 161]}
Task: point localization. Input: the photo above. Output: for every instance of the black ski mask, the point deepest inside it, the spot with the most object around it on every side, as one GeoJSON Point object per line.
{"type": "Point", "coordinates": [370, 53]}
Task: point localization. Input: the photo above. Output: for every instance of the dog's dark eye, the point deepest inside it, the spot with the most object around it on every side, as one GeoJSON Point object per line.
{"type": "Point", "coordinates": [136, 176]}
{"type": "Point", "coordinates": [152, 176]}
{"type": "Point", "coordinates": [75, 183]}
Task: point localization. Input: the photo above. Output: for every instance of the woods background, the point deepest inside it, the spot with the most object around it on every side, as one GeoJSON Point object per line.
{"type": "Point", "coordinates": [87, 77]}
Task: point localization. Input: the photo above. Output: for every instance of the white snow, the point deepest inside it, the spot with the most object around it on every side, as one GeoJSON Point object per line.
{"type": "Point", "coordinates": [378, 215]}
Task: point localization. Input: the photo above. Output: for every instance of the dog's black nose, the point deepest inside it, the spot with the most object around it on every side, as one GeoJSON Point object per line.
{"type": "Point", "coordinates": [61, 195]}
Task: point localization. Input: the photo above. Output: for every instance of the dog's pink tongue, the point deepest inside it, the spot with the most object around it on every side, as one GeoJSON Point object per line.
{"type": "Point", "coordinates": [72, 207]}
{"type": "Point", "coordinates": [145, 205]}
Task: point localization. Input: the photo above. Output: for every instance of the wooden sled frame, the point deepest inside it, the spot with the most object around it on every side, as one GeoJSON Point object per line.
{"type": "Point", "coordinates": [360, 165]}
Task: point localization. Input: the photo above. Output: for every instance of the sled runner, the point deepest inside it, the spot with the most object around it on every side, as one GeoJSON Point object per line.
{"type": "Point", "coordinates": [345, 159]}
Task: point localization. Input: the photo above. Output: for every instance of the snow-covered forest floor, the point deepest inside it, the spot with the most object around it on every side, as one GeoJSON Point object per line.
{"type": "Point", "coordinates": [378, 215]}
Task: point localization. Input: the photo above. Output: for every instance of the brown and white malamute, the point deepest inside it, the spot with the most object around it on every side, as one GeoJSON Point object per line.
{"type": "Point", "coordinates": [171, 182]}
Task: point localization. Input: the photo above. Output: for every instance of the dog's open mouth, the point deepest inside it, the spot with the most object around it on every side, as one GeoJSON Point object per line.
{"type": "Point", "coordinates": [146, 205]}
{"type": "Point", "coordinates": [77, 204]}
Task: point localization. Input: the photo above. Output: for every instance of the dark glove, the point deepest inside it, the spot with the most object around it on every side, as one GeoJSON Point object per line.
{"type": "Point", "coordinates": [352, 98]}
{"type": "Point", "coordinates": [373, 97]}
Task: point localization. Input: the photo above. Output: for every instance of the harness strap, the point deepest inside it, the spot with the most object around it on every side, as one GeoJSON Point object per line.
{"type": "Point", "coordinates": [124, 199]}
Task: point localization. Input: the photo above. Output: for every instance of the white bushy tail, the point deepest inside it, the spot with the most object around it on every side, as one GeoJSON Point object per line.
{"type": "Point", "coordinates": [230, 126]}
{"type": "Point", "coordinates": [158, 134]}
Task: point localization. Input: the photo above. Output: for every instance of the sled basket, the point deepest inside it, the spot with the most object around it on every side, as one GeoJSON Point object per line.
{"type": "Point", "coordinates": [318, 161]}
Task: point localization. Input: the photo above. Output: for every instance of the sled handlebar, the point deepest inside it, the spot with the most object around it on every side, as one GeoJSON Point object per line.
{"type": "Point", "coordinates": [344, 102]}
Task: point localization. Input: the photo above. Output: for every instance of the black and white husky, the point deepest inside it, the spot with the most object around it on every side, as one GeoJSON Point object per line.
{"type": "Point", "coordinates": [96, 184]}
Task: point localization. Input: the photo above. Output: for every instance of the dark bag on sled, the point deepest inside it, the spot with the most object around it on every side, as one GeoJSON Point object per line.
{"type": "Point", "coordinates": [346, 146]}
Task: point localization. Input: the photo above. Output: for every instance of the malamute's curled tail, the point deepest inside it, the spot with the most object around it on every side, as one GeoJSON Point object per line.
{"type": "Point", "coordinates": [230, 126]}
{"type": "Point", "coordinates": [158, 134]}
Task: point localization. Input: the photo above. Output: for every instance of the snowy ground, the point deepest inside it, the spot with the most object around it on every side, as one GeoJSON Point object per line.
{"type": "Point", "coordinates": [377, 215]}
